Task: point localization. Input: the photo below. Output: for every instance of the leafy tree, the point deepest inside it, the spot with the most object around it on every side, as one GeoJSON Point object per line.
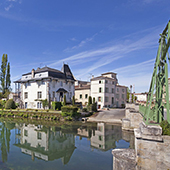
{"type": "Point", "coordinates": [64, 103]}
{"type": "Point", "coordinates": [93, 100]}
{"type": "Point", "coordinates": [73, 100]}
{"type": "Point", "coordinates": [5, 74]}
{"type": "Point", "coordinates": [45, 103]}
{"type": "Point", "coordinates": [8, 77]}
{"type": "Point", "coordinates": [90, 100]}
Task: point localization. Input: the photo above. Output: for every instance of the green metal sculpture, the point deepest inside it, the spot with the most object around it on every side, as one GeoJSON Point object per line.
{"type": "Point", "coordinates": [158, 97]}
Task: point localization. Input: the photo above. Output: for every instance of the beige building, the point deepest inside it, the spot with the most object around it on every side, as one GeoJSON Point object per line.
{"type": "Point", "coordinates": [105, 89]}
{"type": "Point", "coordinates": [82, 92]}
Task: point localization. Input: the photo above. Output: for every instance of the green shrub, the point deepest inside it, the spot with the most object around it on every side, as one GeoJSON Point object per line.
{"type": "Point", "coordinates": [84, 109]}
{"type": "Point", "coordinates": [56, 105]}
{"type": "Point", "coordinates": [70, 110]}
{"type": "Point", "coordinates": [92, 107]}
{"type": "Point", "coordinates": [73, 100]}
{"type": "Point", "coordinates": [165, 127]}
{"type": "Point", "coordinates": [89, 100]}
{"type": "Point", "coordinates": [64, 103]}
{"type": "Point", "coordinates": [10, 104]}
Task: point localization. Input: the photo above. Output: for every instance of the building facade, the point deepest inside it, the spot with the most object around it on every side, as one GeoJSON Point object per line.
{"type": "Point", "coordinates": [46, 83]}
{"type": "Point", "coordinates": [82, 92]}
{"type": "Point", "coordinates": [105, 89]}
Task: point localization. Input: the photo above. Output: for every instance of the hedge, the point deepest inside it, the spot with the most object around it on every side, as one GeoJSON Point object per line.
{"type": "Point", "coordinates": [56, 105]}
{"type": "Point", "coordinates": [69, 110]}
{"type": "Point", "coordinates": [10, 104]}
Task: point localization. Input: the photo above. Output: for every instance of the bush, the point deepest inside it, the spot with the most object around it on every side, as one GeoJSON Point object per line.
{"type": "Point", "coordinates": [89, 100]}
{"type": "Point", "coordinates": [84, 109]}
{"type": "Point", "coordinates": [165, 127]}
{"type": "Point", "coordinates": [56, 105]}
{"type": "Point", "coordinates": [10, 104]}
{"type": "Point", "coordinates": [69, 110]}
{"type": "Point", "coordinates": [92, 107]}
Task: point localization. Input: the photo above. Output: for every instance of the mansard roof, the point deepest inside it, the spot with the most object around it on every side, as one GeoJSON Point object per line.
{"type": "Point", "coordinates": [65, 73]}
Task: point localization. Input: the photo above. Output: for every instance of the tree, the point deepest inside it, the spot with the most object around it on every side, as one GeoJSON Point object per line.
{"type": "Point", "coordinates": [73, 100]}
{"type": "Point", "coordinates": [90, 100]}
{"type": "Point", "coordinates": [5, 74]}
{"type": "Point", "coordinates": [93, 100]}
{"type": "Point", "coordinates": [64, 103]}
{"type": "Point", "coordinates": [45, 103]}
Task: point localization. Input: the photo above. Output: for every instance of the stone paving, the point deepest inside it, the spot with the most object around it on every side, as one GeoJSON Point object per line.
{"type": "Point", "coordinates": [109, 116]}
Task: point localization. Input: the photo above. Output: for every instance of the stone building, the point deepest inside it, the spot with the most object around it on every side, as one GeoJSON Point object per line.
{"type": "Point", "coordinates": [46, 83]}
{"type": "Point", "coordinates": [82, 92]}
{"type": "Point", "coordinates": [105, 89]}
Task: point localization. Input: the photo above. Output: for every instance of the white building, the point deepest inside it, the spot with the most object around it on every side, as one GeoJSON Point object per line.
{"type": "Point", "coordinates": [141, 97]}
{"type": "Point", "coordinates": [46, 83]}
{"type": "Point", "coordinates": [105, 89]}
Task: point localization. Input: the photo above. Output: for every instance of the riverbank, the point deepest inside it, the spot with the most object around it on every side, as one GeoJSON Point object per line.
{"type": "Point", "coordinates": [114, 116]}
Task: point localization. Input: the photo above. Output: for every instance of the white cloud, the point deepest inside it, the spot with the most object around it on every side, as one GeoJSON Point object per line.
{"type": "Point", "coordinates": [8, 7]}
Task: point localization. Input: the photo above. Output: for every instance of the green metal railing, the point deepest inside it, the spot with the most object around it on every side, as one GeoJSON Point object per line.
{"type": "Point", "coordinates": [158, 96]}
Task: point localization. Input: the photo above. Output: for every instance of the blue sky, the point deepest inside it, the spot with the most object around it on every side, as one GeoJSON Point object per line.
{"type": "Point", "coordinates": [92, 36]}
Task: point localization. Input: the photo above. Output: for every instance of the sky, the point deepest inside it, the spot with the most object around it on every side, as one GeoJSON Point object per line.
{"type": "Point", "coordinates": [91, 36]}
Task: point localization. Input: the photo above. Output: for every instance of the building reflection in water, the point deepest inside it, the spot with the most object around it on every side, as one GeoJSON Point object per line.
{"type": "Point", "coordinates": [45, 143]}
{"type": "Point", "coordinates": [50, 143]}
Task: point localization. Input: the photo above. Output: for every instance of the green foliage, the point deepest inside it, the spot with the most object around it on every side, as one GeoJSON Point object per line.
{"type": "Point", "coordinates": [45, 103]}
{"type": "Point", "coordinates": [5, 74]}
{"type": "Point", "coordinates": [123, 105]}
{"type": "Point", "coordinates": [92, 107]}
{"type": "Point", "coordinates": [165, 127]}
{"type": "Point", "coordinates": [69, 110]}
{"type": "Point", "coordinates": [73, 100]}
{"type": "Point", "coordinates": [10, 104]}
{"type": "Point", "coordinates": [56, 105]}
{"type": "Point", "coordinates": [84, 109]}
{"type": "Point", "coordinates": [89, 100]}
{"type": "Point", "coordinates": [64, 103]}
{"type": "Point", "coordinates": [93, 100]}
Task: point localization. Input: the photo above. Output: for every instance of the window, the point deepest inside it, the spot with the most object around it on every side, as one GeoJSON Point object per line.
{"type": "Point", "coordinates": [106, 81]}
{"type": "Point", "coordinates": [80, 96]}
{"type": "Point", "coordinates": [113, 82]}
{"type": "Point", "coordinates": [38, 105]}
{"type": "Point", "coordinates": [100, 138]}
{"type": "Point", "coordinates": [39, 83]}
{"type": "Point", "coordinates": [53, 94]}
{"type": "Point", "coordinates": [112, 90]}
{"type": "Point", "coordinates": [107, 90]}
{"type": "Point", "coordinates": [106, 99]}
{"type": "Point", "coordinates": [26, 95]}
{"type": "Point", "coordinates": [99, 99]}
{"type": "Point", "coordinates": [25, 132]}
{"type": "Point", "coordinates": [100, 81]}
{"type": "Point", "coordinates": [112, 100]}
{"type": "Point", "coordinates": [39, 95]}
{"type": "Point", "coordinates": [100, 128]}
{"type": "Point", "coordinates": [117, 89]}
{"type": "Point", "coordinates": [25, 105]}
{"type": "Point", "coordinates": [61, 83]}
{"type": "Point", "coordinates": [117, 96]}
{"type": "Point", "coordinates": [100, 90]}
{"type": "Point", "coordinates": [86, 96]}
{"type": "Point", "coordinates": [123, 90]}
{"type": "Point", "coordinates": [123, 96]}
{"type": "Point", "coordinates": [39, 135]}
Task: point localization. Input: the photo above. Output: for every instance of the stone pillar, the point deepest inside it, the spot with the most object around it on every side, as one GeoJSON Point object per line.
{"type": "Point", "coordinates": [151, 148]}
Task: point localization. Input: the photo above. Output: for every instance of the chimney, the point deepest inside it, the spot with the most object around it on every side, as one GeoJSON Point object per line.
{"type": "Point", "coordinates": [33, 73]}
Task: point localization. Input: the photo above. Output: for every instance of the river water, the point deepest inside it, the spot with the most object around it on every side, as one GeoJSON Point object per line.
{"type": "Point", "coordinates": [26, 145]}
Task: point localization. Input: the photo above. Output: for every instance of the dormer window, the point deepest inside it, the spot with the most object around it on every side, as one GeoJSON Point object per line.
{"type": "Point", "coordinates": [39, 75]}
{"type": "Point", "coordinates": [26, 77]}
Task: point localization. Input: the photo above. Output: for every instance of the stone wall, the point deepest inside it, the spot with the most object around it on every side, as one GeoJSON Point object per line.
{"type": "Point", "coordinates": [132, 117]}
{"type": "Point", "coordinates": [152, 149]}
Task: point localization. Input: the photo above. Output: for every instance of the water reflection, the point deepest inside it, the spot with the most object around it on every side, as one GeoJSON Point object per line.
{"type": "Point", "coordinates": [58, 142]}
{"type": "Point", "coordinates": [45, 143]}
